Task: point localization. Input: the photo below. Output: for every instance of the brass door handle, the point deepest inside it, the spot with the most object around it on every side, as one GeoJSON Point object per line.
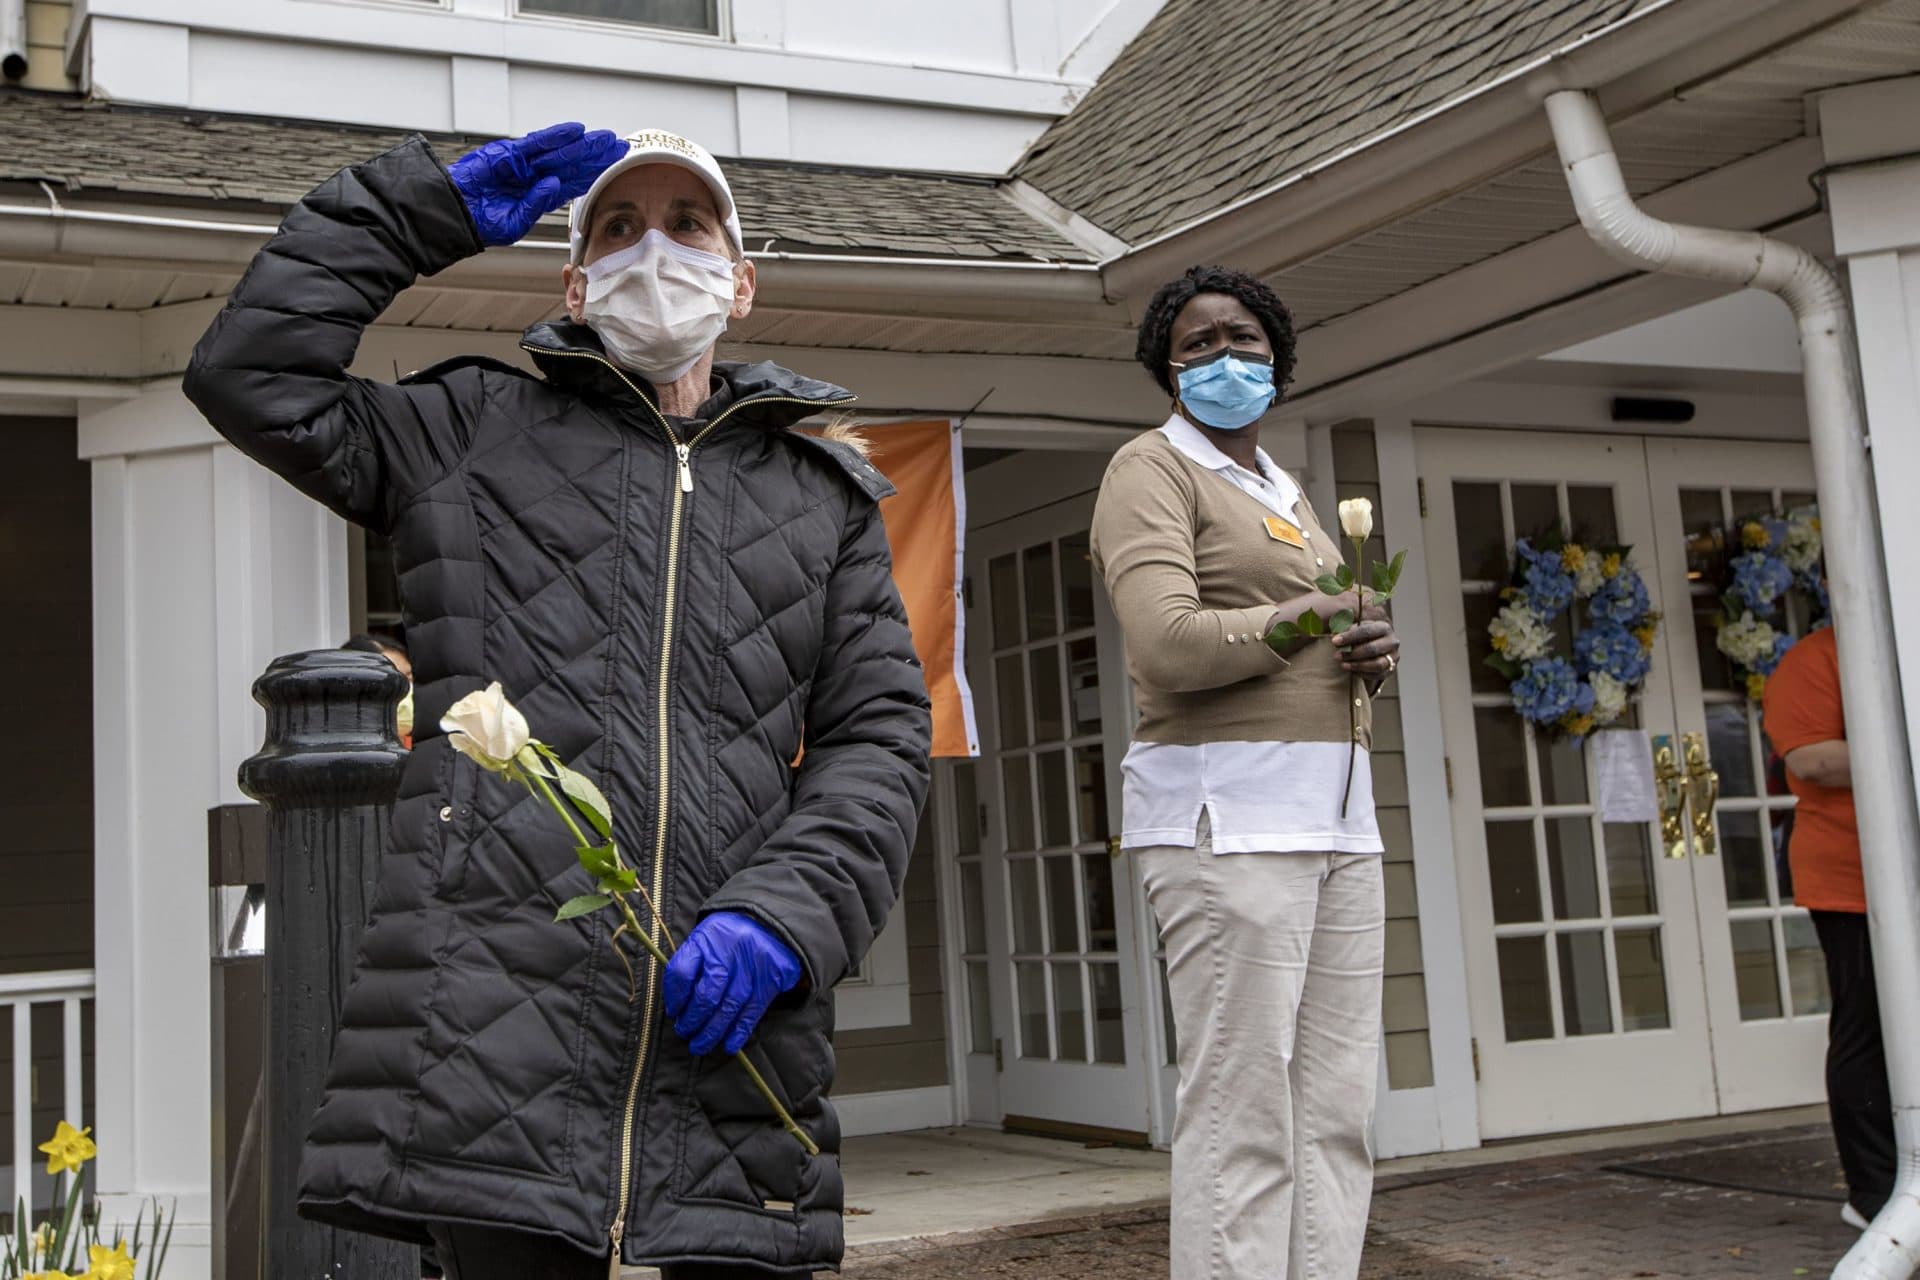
{"type": "Point", "coordinates": [1703, 792]}
{"type": "Point", "coordinates": [1670, 788]}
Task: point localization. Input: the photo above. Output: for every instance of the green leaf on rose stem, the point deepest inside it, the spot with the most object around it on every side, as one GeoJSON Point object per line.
{"type": "Point", "coordinates": [1282, 635]}
{"type": "Point", "coordinates": [1329, 585]}
{"type": "Point", "coordinates": [1344, 576]}
{"type": "Point", "coordinates": [585, 904]}
{"type": "Point", "coordinates": [600, 860]}
{"type": "Point", "coordinates": [625, 880]}
{"type": "Point", "coordinates": [1398, 563]}
{"type": "Point", "coordinates": [587, 798]}
{"type": "Point", "coordinates": [1312, 624]}
{"type": "Point", "coordinates": [1340, 621]}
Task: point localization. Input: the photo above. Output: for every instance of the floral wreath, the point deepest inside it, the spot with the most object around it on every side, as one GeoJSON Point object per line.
{"type": "Point", "coordinates": [1779, 553]}
{"type": "Point", "coordinates": [1615, 626]}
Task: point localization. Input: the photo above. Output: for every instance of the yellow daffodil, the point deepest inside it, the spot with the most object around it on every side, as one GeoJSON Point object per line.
{"type": "Point", "coordinates": [109, 1264]}
{"type": "Point", "coordinates": [1756, 686]}
{"type": "Point", "coordinates": [48, 1275]}
{"type": "Point", "coordinates": [1753, 536]}
{"type": "Point", "coordinates": [1573, 558]}
{"type": "Point", "coordinates": [43, 1240]}
{"type": "Point", "coordinates": [68, 1149]}
{"type": "Point", "coordinates": [1611, 566]}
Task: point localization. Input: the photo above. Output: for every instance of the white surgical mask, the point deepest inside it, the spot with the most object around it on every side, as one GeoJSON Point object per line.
{"type": "Point", "coordinates": [658, 305]}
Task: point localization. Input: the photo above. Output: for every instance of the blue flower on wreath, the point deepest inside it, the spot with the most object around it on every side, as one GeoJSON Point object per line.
{"type": "Point", "coordinates": [1759, 580]}
{"type": "Point", "coordinates": [1548, 585]}
{"type": "Point", "coordinates": [1815, 585]}
{"type": "Point", "coordinates": [1766, 665]}
{"type": "Point", "coordinates": [1549, 689]}
{"type": "Point", "coordinates": [1611, 648]}
{"type": "Point", "coordinates": [1621, 598]}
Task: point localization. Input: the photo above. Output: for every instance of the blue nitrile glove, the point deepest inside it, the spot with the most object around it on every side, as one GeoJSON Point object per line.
{"type": "Point", "coordinates": [511, 184]}
{"type": "Point", "coordinates": [723, 977]}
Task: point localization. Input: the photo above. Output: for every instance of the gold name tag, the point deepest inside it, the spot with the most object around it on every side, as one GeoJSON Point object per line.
{"type": "Point", "coordinates": [1280, 531]}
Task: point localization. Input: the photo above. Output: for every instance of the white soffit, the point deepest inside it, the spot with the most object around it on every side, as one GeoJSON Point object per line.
{"type": "Point", "coordinates": [1745, 332]}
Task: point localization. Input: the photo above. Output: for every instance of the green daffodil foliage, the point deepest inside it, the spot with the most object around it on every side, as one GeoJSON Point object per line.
{"type": "Point", "coordinates": [490, 731]}
{"type": "Point", "coordinates": [1356, 522]}
{"type": "Point", "coordinates": [52, 1251]}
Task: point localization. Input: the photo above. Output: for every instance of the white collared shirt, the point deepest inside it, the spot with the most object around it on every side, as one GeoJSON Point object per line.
{"type": "Point", "coordinates": [1259, 797]}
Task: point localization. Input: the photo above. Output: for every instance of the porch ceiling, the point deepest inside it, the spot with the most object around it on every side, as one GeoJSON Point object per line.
{"type": "Point", "coordinates": [1704, 128]}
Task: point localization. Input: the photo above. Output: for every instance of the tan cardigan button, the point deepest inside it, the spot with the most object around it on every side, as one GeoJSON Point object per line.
{"type": "Point", "coordinates": [1231, 638]}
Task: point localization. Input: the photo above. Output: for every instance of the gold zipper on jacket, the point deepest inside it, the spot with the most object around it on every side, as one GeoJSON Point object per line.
{"type": "Point", "coordinates": [683, 461]}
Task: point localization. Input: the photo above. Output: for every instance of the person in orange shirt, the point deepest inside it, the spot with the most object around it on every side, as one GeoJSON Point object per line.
{"type": "Point", "coordinates": [1808, 727]}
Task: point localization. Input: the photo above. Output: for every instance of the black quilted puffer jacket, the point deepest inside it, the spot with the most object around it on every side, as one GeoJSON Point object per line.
{"type": "Point", "coordinates": [677, 605]}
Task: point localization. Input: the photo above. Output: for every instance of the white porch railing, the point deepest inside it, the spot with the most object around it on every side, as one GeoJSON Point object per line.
{"type": "Point", "coordinates": [19, 993]}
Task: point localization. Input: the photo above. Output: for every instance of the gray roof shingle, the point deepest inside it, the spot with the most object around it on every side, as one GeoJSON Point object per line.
{"type": "Point", "coordinates": [1218, 99]}
{"type": "Point", "coordinates": [194, 156]}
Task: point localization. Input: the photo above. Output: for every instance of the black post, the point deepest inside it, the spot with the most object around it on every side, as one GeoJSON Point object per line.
{"type": "Point", "coordinates": [327, 774]}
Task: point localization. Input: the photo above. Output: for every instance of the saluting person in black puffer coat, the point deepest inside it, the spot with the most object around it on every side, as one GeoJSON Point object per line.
{"type": "Point", "coordinates": [679, 591]}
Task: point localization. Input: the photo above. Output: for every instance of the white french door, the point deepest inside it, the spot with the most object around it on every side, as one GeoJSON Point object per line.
{"type": "Point", "coordinates": [1055, 946]}
{"type": "Point", "coordinates": [1618, 973]}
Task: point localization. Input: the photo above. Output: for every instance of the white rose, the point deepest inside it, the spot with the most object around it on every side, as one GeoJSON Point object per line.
{"type": "Point", "coordinates": [403, 714]}
{"type": "Point", "coordinates": [1609, 697]}
{"type": "Point", "coordinates": [1356, 519]}
{"type": "Point", "coordinates": [486, 728]}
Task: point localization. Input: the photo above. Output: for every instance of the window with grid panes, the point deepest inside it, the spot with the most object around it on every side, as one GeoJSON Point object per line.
{"type": "Point", "coordinates": [679, 15]}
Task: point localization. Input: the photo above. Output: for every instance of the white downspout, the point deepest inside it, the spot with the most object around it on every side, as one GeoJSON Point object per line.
{"type": "Point", "coordinates": [1883, 780]}
{"type": "Point", "coordinates": [13, 38]}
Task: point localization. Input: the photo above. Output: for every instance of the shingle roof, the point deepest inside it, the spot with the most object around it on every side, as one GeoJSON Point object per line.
{"type": "Point", "coordinates": [195, 156]}
{"type": "Point", "coordinates": [1217, 99]}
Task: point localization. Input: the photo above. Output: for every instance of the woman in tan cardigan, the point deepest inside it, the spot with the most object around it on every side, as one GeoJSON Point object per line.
{"type": "Point", "coordinates": [1266, 887]}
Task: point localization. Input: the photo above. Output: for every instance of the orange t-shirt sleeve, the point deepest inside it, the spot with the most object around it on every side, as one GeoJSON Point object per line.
{"type": "Point", "coordinates": [1802, 702]}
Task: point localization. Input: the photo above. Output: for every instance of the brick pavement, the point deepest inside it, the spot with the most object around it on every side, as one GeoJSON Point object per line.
{"type": "Point", "coordinates": [1581, 1217]}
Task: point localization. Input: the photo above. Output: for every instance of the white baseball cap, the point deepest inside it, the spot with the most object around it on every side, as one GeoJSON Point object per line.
{"type": "Point", "coordinates": [656, 146]}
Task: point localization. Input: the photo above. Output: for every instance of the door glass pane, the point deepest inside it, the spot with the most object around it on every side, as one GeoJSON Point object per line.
{"type": "Point", "coordinates": [1030, 994]}
{"type": "Point", "coordinates": [1003, 598]}
{"type": "Point", "coordinates": [1585, 1002]}
{"type": "Point", "coordinates": [1011, 690]}
{"type": "Point", "coordinates": [689, 15]}
{"type": "Point", "coordinates": [1730, 749]}
{"type": "Point", "coordinates": [1501, 739]}
{"type": "Point", "coordinates": [1056, 801]}
{"type": "Point", "coordinates": [1752, 502]}
{"type": "Point", "coordinates": [1643, 980]}
{"type": "Point", "coordinates": [1591, 509]}
{"type": "Point", "coordinates": [1083, 686]}
{"type": "Point", "coordinates": [1574, 879]}
{"type": "Point", "coordinates": [1630, 869]}
{"type": "Point", "coordinates": [1480, 609]}
{"type": "Point", "coordinates": [1069, 1014]}
{"type": "Point", "coordinates": [1063, 905]}
{"type": "Point", "coordinates": [1536, 510]}
{"type": "Point", "coordinates": [1743, 859]}
{"type": "Point", "coordinates": [1109, 1027]}
{"type": "Point", "coordinates": [1715, 675]}
{"type": "Point", "coordinates": [1023, 875]}
{"type": "Point", "coordinates": [979, 1010]}
{"type": "Point", "coordinates": [1513, 871]}
{"type": "Point", "coordinates": [1754, 975]}
{"type": "Point", "coordinates": [1482, 540]}
{"type": "Point", "coordinates": [1806, 967]}
{"type": "Point", "coordinates": [1049, 718]}
{"type": "Point", "coordinates": [973, 914]}
{"type": "Point", "coordinates": [966, 808]}
{"type": "Point", "coordinates": [1563, 769]}
{"type": "Point", "coordinates": [1705, 525]}
{"type": "Point", "coordinates": [1019, 801]}
{"type": "Point", "coordinates": [1076, 581]}
{"type": "Point", "coordinates": [1036, 565]}
{"type": "Point", "coordinates": [1090, 787]}
{"type": "Point", "coordinates": [1103, 932]}
{"type": "Point", "coordinates": [1525, 998]}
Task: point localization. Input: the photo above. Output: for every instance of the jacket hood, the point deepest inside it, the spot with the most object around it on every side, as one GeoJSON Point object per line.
{"type": "Point", "coordinates": [558, 348]}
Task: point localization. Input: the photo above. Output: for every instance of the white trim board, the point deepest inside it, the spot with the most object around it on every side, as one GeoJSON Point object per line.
{"type": "Point", "coordinates": [894, 1110]}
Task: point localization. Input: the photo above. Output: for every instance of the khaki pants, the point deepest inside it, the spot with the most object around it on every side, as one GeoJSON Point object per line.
{"type": "Point", "coordinates": [1274, 963]}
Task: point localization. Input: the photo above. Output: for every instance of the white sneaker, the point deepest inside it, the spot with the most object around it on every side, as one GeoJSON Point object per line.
{"type": "Point", "coordinates": [1853, 1218]}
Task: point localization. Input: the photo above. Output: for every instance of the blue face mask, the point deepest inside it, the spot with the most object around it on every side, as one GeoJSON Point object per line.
{"type": "Point", "coordinates": [1229, 390]}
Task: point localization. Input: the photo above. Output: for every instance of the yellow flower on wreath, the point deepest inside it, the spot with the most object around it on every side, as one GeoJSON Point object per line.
{"type": "Point", "coordinates": [1611, 566]}
{"type": "Point", "coordinates": [1754, 536]}
{"type": "Point", "coordinates": [1573, 557]}
{"type": "Point", "coordinates": [1645, 633]}
{"type": "Point", "coordinates": [1577, 725]}
{"type": "Point", "coordinates": [68, 1149]}
{"type": "Point", "coordinates": [109, 1264]}
{"type": "Point", "coordinates": [1756, 685]}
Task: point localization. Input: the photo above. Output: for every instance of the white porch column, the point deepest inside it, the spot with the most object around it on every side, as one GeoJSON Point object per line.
{"type": "Point", "coordinates": [1874, 199]}
{"type": "Point", "coordinates": [204, 567]}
